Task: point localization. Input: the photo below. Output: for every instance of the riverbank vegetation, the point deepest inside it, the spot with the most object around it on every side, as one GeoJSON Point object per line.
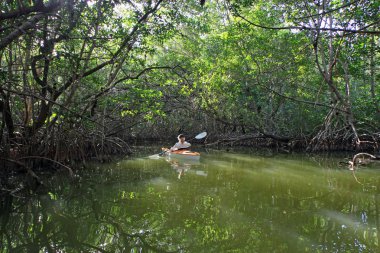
{"type": "Point", "coordinates": [82, 79]}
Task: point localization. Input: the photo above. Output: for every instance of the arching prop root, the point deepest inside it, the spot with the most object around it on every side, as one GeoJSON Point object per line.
{"type": "Point", "coordinates": [361, 159]}
{"type": "Point", "coordinates": [68, 147]}
{"type": "Point", "coordinates": [332, 135]}
{"type": "Point", "coordinates": [339, 133]}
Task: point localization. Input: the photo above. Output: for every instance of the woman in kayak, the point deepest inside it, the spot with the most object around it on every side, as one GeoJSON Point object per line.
{"type": "Point", "coordinates": [181, 144]}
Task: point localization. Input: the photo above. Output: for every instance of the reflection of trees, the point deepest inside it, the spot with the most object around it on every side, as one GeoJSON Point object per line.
{"type": "Point", "coordinates": [358, 198]}
{"type": "Point", "coordinates": [282, 206]}
{"type": "Point", "coordinates": [91, 221]}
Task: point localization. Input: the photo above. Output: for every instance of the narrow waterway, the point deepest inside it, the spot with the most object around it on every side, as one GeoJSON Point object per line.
{"type": "Point", "coordinates": [234, 201]}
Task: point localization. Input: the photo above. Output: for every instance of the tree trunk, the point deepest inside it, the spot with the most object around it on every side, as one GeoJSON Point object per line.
{"type": "Point", "coordinates": [372, 74]}
{"type": "Point", "coordinates": [7, 116]}
{"type": "Point", "coordinates": [7, 113]}
{"type": "Point", "coordinates": [28, 101]}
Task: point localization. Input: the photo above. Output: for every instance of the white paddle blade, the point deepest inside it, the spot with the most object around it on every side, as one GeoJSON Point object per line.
{"type": "Point", "coordinates": [201, 135]}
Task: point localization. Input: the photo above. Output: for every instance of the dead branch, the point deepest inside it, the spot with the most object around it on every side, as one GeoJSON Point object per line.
{"type": "Point", "coordinates": [27, 168]}
{"type": "Point", "coordinates": [51, 160]}
{"type": "Point", "coordinates": [361, 158]}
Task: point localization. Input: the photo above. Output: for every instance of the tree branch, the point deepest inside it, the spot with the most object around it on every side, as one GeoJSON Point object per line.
{"type": "Point", "coordinates": [141, 73]}
{"type": "Point", "coordinates": [52, 102]}
{"type": "Point", "coordinates": [53, 5]}
{"type": "Point", "coordinates": [329, 11]}
{"type": "Point", "coordinates": [360, 31]}
{"type": "Point", "coordinates": [128, 42]}
{"type": "Point", "coordinates": [39, 7]}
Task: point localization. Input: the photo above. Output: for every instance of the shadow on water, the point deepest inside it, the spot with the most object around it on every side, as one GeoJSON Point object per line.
{"type": "Point", "coordinates": [226, 202]}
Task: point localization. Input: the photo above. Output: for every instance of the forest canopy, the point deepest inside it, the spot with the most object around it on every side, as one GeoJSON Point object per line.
{"type": "Point", "coordinates": [79, 79]}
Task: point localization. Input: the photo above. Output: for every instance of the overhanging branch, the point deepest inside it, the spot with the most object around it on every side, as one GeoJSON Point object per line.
{"type": "Point", "coordinates": [303, 28]}
{"type": "Point", "coordinates": [38, 7]}
{"type": "Point", "coordinates": [27, 25]}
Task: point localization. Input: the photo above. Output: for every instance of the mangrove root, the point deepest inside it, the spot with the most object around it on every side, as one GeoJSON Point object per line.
{"type": "Point", "coordinates": [361, 159]}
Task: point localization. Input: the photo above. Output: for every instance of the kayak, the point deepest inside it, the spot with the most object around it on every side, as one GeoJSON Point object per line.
{"type": "Point", "coordinates": [184, 154]}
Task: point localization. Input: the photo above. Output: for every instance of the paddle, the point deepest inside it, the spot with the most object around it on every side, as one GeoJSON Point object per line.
{"type": "Point", "coordinates": [198, 137]}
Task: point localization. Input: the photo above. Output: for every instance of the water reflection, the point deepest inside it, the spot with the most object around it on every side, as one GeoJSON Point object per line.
{"type": "Point", "coordinates": [182, 166]}
{"type": "Point", "coordinates": [224, 203]}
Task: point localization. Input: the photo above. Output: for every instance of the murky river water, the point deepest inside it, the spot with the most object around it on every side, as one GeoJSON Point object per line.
{"type": "Point", "coordinates": [226, 202]}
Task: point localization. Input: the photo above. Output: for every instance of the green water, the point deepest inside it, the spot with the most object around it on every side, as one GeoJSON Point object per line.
{"type": "Point", "coordinates": [226, 202]}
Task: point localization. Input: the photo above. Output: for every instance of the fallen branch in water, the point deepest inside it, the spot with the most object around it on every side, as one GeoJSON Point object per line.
{"type": "Point", "coordinates": [48, 159]}
{"type": "Point", "coordinates": [361, 158]}
{"type": "Point", "coordinates": [27, 168]}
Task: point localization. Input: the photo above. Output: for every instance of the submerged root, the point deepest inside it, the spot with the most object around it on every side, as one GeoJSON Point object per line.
{"type": "Point", "coordinates": [25, 167]}
{"type": "Point", "coordinates": [50, 160]}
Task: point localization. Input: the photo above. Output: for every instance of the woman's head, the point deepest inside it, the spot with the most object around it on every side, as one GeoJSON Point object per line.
{"type": "Point", "coordinates": [181, 138]}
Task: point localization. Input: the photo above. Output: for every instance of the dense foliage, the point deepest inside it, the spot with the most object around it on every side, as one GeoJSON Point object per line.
{"type": "Point", "coordinates": [79, 78]}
